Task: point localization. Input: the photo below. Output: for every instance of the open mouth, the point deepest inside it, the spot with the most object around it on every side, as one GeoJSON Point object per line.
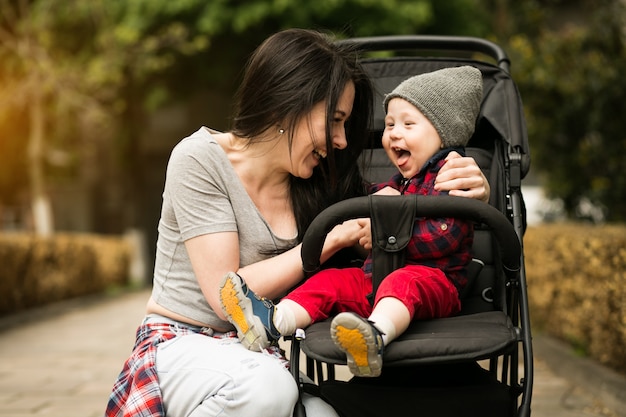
{"type": "Point", "coordinates": [319, 154]}
{"type": "Point", "coordinates": [402, 155]}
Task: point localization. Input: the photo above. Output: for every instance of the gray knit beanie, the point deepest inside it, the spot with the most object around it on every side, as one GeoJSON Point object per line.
{"type": "Point", "coordinates": [450, 98]}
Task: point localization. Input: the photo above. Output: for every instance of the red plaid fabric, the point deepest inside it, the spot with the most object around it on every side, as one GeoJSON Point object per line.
{"type": "Point", "coordinates": [136, 393]}
{"type": "Point", "coordinates": [443, 243]}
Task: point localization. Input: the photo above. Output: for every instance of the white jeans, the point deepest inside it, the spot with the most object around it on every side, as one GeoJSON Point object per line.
{"type": "Point", "coordinates": [203, 376]}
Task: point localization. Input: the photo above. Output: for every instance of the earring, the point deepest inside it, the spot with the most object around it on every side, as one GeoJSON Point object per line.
{"type": "Point", "coordinates": [281, 131]}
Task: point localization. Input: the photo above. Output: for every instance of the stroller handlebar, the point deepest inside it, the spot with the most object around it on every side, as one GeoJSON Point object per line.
{"type": "Point", "coordinates": [432, 42]}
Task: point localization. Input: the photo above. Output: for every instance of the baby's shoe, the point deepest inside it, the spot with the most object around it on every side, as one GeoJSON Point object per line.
{"type": "Point", "coordinates": [251, 315]}
{"type": "Point", "coordinates": [361, 341]}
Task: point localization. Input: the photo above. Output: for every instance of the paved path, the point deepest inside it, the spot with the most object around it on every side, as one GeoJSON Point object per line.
{"type": "Point", "coordinates": [61, 361]}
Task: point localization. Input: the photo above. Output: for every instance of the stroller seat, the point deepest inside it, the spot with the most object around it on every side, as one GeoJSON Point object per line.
{"type": "Point", "coordinates": [470, 337]}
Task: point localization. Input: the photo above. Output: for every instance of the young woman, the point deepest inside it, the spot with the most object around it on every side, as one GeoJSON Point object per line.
{"type": "Point", "coordinates": [241, 201]}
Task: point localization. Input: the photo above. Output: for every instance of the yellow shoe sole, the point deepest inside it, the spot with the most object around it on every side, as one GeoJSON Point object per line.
{"type": "Point", "coordinates": [238, 310]}
{"type": "Point", "coordinates": [356, 338]}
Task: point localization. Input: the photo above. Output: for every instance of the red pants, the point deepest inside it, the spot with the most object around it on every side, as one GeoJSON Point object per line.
{"type": "Point", "coordinates": [426, 292]}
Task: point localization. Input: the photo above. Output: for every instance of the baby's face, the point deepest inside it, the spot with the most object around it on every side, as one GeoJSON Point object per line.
{"type": "Point", "coordinates": [409, 138]}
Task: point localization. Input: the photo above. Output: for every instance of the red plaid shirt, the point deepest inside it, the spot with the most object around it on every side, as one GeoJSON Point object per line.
{"type": "Point", "coordinates": [443, 243]}
{"type": "Point", "coordinates": [136, 392]}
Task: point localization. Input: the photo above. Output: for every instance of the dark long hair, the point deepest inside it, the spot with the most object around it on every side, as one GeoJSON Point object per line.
{"type": "Point", "coordinates": [287, 75]}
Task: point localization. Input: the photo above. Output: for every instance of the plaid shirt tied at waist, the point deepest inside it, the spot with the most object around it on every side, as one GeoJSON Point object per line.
{"type": "Point", "coordinates": [136, 393]}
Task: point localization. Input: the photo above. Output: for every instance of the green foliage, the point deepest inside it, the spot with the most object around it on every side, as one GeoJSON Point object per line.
{"type": "Point", "coordinates": [102, 65]}
{"type": "Point", "coordinates": [573, 89]}
{"type": "Point", "coordinates": [79, 61]}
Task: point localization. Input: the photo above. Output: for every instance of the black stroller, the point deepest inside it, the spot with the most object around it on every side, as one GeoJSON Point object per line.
{"type": "Point", "coordinates": [468, 364]}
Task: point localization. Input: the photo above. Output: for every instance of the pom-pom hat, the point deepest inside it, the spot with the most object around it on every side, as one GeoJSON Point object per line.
{"type": "Point", "coordinates": [450, 98]}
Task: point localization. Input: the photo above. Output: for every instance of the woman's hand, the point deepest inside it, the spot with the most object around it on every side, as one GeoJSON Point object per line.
{"type": "Point", "coordinates": [462, 177]}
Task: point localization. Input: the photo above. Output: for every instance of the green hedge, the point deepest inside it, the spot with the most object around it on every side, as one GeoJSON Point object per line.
{"type": "Point", "coordinates": [36, 270]}
{"type": "Point", "coordinates": [577, 287]}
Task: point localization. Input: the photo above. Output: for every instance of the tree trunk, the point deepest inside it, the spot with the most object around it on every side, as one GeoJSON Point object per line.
{"type": "Point", "coordinates": [41, 207]}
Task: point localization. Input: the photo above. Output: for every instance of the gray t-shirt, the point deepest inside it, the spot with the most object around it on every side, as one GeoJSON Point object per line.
{"type": "Point", "coordinates": [203, 194]}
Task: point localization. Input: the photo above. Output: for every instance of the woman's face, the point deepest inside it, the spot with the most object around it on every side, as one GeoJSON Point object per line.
{"type": "Point", "coordinates": [309, 140]}
{"type": "Point", "coordinates": [409, 138]}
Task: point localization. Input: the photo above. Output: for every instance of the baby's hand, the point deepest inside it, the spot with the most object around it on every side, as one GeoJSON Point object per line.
{"type": "Point", "coordinates": [348, 233]}
{"type": "Point", "coordinates": [366, 233]}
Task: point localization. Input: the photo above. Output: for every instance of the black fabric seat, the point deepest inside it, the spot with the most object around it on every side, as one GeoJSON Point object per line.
{"type": "Point", "coordinates": [461, 338]}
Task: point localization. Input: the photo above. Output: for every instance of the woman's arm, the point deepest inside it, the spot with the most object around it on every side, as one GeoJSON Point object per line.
{"type": "Point", "coordinates": [461, 176]}
{"type": "Point", "coordinates": [213, 255]}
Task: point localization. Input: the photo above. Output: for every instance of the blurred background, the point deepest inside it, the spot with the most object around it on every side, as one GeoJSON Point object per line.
{"type": "Point", "coordinates": [95, 93]}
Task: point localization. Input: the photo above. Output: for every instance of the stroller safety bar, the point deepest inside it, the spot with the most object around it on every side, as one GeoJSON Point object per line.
{"type": "Point", "coordinates": [426, 206]}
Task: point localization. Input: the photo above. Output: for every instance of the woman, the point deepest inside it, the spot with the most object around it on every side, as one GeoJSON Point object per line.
{"type": "Point", "coordinates": [241, 201]}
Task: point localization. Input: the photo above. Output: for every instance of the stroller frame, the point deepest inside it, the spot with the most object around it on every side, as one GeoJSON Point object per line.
{"type": "Point", "coordinates": [498, 236]}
